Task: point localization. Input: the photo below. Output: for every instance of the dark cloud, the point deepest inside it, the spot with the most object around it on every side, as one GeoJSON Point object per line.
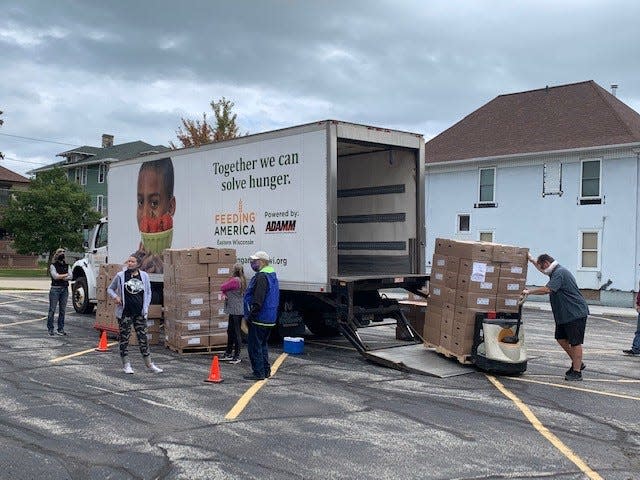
{"type": "Point", "coordinates": [73, 70]}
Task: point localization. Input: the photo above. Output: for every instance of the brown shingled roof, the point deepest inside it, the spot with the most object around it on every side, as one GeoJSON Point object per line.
{"type": "Point", "coordinates": [7, 175]}
{"type": "Point", "coordinates": [578, 115]}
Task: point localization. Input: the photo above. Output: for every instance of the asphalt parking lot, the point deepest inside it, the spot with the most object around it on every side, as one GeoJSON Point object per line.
{"type": "Point", "coordinates": [68, 412]}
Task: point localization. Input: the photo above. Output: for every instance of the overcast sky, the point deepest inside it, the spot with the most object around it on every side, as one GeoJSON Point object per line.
{"type": "Point", "coordinates": [73, 70]}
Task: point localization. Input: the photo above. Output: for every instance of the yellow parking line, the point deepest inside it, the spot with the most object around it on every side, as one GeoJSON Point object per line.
{"type": "Point", "coordinates": [544, 431]}
{"type": "Point", "coordinates": [253, 389]}
{"type": "Point", "coordinates": [23, 321]}
{"type": "Point", "coordinates": [77, 354]}
{"type": "Point", "coordinates": [610, 320]}
{"type": "Point", "coordinates": [571, 387]}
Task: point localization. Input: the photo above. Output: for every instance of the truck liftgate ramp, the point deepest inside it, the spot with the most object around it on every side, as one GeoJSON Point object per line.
{"type": "Point", "coordinates": [355, 322]}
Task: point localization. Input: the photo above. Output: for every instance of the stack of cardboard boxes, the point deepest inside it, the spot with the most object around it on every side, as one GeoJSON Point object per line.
{"type": "Point", "coordinates": [105, 310]}
{"type": "Point", "coordinates": [467, 278]}
{"type": "Point", "coordinates": [193, 303]}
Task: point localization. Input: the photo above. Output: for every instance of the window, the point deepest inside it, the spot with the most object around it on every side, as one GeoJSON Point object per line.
{"type": "Point", "coordinates": [102, 172]}
{"type": "Point", "coordinates": [100, 203]}
{"type": "Point", "coordinates": [81, 175]}
{"type": "Point", "coordinates": [590, 182]}
{"type": "Point", "coordinates": [552, 179]}
{"type": "Point", "coordinates": [103, 235]}
{"type": "Point", "coordinates": [486, 236]}
{"type": "Point", "coordinates": [486, 187]}
{"type": "Point", "coordinates": [464, 221]}
{"type": "Point", "coordinates": [589, 250]}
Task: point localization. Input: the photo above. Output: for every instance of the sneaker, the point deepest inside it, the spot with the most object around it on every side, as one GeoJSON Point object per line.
{"type": "Point", "coordinates": [62, 333]}
{"type": "Point", "coordinates": [226, 357]}
{"type": "Point", "coordinates": [630, 352]}
{"type": "Point", "coordinates": [582, 367]}
{"type": "Point", "coordinates": [51, 333]}
{"type": "Point", "coordinates": [251, 376]}
{"type": "Point", "coordinates": [235, 360]}
{"type": "Point", "coordinates": [154, 368]}
{"type": "Point", "coordinates": [573, 376]}
{"type": "Point", "coordinates": [127, 368]}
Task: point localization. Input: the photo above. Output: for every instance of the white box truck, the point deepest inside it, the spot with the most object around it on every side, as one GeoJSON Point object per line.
{"type": "Point", "coordinates": [338, 206]}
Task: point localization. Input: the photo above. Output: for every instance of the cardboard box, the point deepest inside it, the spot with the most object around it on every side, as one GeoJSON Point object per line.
{"type": "Point", "coordinates": [221, 271]}
{"type": "Point", "coordinates": [445, 262]}
{"type": "Point", "coordinates": [467, 285]}
{"type": "Point", "coordinates": [473, 250]}
{"type": "Point", "coordinates": [190, 327]}
{"type": "Point", "coordinates": [479, 271]}
{"type": "Point", "coordinates": [184, 256]}
{"type": "Point", "coordinates": [227, 255]}
{"type": "Point", "coordinates": [431, 331]}
{"type": "Point", "coordinates": [510, 254]}
{"type": "Point", "coordinates": [466, 316]}
{"type": "Point", "coordinates": [513, 270]}
{"type": "Point", "coordinates": [217, 339]}
{"type": "Point", "coordinates": [480, 301]}
{"type": "Point", "coordinates": [446, 278]}
{"type": "Point", "coordinates": [461, 346]}
{"type": "Point", "coordinates": [155, 311]}
{"type": "Point", "coordinates": [510, 286]}
{"type": "Point", "coordinates": [194, 313]}
{"type": "Point", "coordinates": [439, 295]}
{"type": "Point", "coordinates": [208, 255]}
{"type": "Point", "coordinates": [186, 341]}
{"type": "Point", "coordinates": [444, 246]}
{"type": "Point", "coordinates": [507, 303]}
{"type": "Point", "coordinates": [445, 340]}
{"type": "Point", "coordinates": [191, 272]}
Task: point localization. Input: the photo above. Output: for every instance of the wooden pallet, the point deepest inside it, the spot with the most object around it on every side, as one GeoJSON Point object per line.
{"type": "Point", "coordinates": [463, 359]}
{"type": "Point", "coordinates": [196, 349]}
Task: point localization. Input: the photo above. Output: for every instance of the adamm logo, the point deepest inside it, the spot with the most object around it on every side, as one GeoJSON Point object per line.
{"type": "Point", "coordinates": [235, 223]}
{"type": "Point", "coordinates": [281, 226]}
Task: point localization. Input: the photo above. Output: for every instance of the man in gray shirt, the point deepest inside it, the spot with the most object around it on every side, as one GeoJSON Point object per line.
{"type": "Point", "coordinates": [569, 309]}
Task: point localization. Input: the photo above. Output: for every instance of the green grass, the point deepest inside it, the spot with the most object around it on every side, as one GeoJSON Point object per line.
{"type": "Point", "coordinates": [23, 272]}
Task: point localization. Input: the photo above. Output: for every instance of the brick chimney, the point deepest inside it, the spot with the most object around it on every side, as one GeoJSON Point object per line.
{"type": "Point", "coordinates": [107, 140]}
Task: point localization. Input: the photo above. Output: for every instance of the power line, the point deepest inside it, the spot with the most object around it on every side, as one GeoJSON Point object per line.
{"type": "Point", "coordinates": [39, 140]}
{"type": "Point", "coordinates": [24, 161]}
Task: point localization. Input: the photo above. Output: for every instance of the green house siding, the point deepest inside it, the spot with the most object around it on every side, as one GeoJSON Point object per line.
{"type": "Point", "coordinates": [92, 186]}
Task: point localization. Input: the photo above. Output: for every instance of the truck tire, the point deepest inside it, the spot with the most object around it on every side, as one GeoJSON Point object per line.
{"type": "Point", "coordinates": [80, 296]}
{"type": "Point", "coordinates": [315, 322]}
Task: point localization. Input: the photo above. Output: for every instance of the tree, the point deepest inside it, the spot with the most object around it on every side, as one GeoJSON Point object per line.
{"type": "Point", "coordinates": [226, 127]}
{"type": "Point", "coordinates": [49, 214]}
{"type": "Point", "coordinates": [198, 132]}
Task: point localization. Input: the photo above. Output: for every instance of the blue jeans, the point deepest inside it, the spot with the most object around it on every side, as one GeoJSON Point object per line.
{"type": "Point", "coordinates": [636, 340]}
{"type": "Point", "coordinates": [57, 296]}
{"type": "Point", "coordinates": [257, 342]}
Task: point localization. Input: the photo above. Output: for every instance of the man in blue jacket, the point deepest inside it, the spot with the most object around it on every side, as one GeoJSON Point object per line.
{"type": "Point", "coordinates": [261, 301]}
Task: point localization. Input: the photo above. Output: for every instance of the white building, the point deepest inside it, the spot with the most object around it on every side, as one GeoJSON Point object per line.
{"type": "Point", "coordinates": [556, 170]}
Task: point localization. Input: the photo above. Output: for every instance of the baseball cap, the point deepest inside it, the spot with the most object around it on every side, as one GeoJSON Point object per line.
{"type": "Point", "coordinates": [260, 255]}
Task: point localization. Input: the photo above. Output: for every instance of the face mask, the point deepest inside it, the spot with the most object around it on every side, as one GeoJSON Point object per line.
{"type": "Point", "coordinates": [61, 258]}
{"type": "Point", "coordinates": [255, 265]}
{"type": "Point", "coordinates": [549, 269]}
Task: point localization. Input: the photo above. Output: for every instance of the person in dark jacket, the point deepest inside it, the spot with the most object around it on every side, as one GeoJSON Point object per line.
{"type": "Point", "coordinates": [635, 345]}
{"type": "Point", "coordinates": [261, 310]}
{"type": "Point", "coordinates": [59, 291]}
{"type": "Point", "coordinates": [569, 309]}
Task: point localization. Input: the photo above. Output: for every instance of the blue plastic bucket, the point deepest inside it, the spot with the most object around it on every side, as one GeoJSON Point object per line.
{"type": "Point", "coordinates": [293, 345]}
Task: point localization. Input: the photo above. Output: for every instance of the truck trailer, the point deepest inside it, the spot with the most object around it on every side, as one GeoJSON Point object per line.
{"type": "Point", "coordinates": [339, 207]}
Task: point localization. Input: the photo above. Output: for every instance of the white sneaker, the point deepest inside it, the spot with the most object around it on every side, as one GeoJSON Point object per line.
{"type": "Point", "coordinates": [154, 368]}
{"type": "Point", "coordinates": [127, 368]}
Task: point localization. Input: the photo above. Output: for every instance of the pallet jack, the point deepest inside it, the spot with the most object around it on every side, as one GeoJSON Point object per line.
{"type": "Point", "coordinates": [497, 347]}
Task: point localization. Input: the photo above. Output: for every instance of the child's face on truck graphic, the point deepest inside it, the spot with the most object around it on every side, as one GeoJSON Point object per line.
{"type": "Point", "coordinates": [156, 205]}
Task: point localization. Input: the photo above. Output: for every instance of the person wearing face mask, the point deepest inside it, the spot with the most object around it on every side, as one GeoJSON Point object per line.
{"type": "Point", "coordinates": [131, 290]}
{"type": "Point", "coordinates": [261, 301]}
{"type": "Point", "coordinates": [59, 291]}
{"type": "Point", "coordinates": [569, 309]}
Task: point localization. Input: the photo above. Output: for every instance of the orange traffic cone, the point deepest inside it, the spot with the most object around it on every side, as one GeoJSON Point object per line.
{"type": "Point", "coordinates": [102, 344]}
{"type": "Point", "coordinates": [214, 373]}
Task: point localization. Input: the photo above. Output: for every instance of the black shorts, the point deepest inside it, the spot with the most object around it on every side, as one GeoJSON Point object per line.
{"type": "Point", "coordinates": [573, 332]}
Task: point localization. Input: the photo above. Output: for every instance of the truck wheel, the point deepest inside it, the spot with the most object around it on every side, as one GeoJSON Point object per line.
{"type": "Point", "coordinates": [316, 323]}
{"type": "Point", "coordinates": [80, 295]}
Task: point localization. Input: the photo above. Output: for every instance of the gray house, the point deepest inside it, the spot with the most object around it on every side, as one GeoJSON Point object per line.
{"type": "Point", "coordinates": [556, 170]}
{"type": "Point", "coordinates": [88, 166]}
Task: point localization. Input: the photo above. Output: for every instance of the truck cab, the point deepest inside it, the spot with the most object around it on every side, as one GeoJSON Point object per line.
{"type": "Point", "coordinates": [85, 270]}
